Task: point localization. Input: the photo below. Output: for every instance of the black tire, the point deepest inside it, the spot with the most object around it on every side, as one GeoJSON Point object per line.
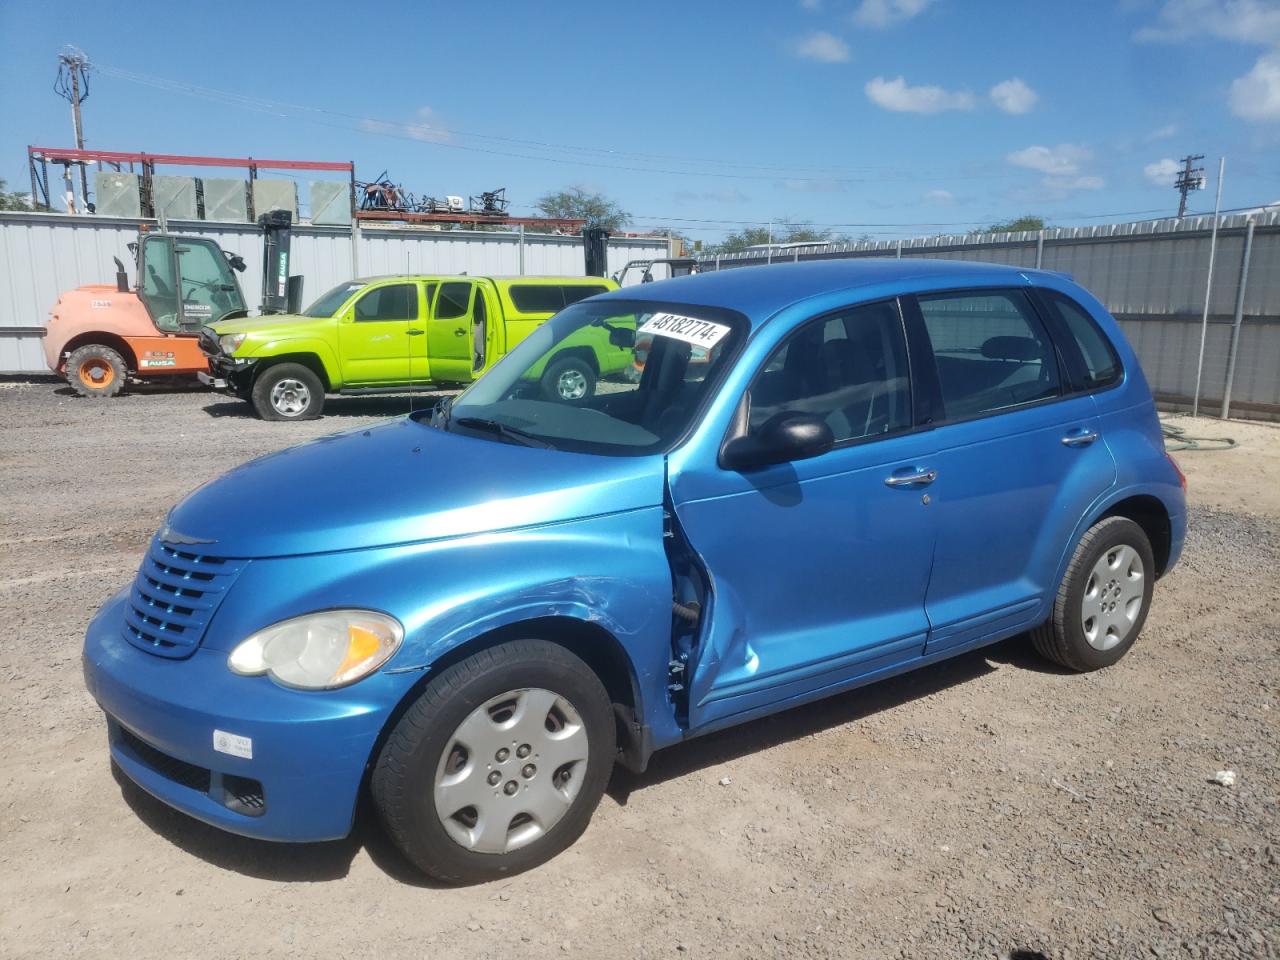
{"type": "Point", "coordinates": [404, 776]}
{"type": "Point", "coordinates": [95, 370]}
{"type": "Point", "coordinates": [569, 379]}
{"type": "Point", "coordinates": [1063, 639]}
{"type": "Point", "coordinates": [301, 402]}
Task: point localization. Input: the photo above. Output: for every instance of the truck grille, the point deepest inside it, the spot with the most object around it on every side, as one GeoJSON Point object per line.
{"type": "Point", "coordinates": [174, 597]}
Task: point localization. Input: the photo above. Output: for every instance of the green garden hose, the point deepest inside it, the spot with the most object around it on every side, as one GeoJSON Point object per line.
{"type": "Point", "coordinates": [1175, 438]}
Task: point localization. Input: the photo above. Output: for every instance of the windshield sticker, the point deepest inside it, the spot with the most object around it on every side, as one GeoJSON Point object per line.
{"type": "Point", "coordinates": [700, 333]}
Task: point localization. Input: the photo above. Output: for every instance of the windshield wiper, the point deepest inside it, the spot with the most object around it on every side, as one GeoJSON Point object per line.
{"type": "Point", "coordinates": [503, 430]}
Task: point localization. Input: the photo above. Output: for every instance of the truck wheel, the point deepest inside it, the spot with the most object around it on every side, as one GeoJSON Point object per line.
{"type": "Point", "coordinates": [96, 371]}
{"type": "Point", "coordinates": [288, 391]}
{"type": "Point", "coordinates": [1103, 600]}
{"type": "Point", "coordinates": [569, 378]}
{"type": "Point", "coordinates": [499, 763]}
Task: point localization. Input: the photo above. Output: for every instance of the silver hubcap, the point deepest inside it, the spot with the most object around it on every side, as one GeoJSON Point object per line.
{"type": "Point", "coordinates": [572, 385]}
{"type": "Point", "coordinates": [1112, 597]}
{"type": "Point", "coordinates": [290, 397]}
{"type": "Point", "coordinates": [511, 770]}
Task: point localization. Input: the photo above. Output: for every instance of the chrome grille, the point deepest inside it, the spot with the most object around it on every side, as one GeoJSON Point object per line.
{"type": "Point", "coordinates": [174, 596]}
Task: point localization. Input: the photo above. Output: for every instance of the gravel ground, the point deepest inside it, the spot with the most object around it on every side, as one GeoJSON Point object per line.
{"type": "Point", "coordinates": [986, 807]}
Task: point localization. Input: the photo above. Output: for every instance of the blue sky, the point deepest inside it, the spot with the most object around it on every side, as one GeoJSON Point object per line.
{"type": "Point", "coordinates": [887, 117]}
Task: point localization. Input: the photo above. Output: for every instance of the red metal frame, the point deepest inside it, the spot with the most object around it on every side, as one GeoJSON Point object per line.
{"type": "Point", "coordinates": [115, 156]}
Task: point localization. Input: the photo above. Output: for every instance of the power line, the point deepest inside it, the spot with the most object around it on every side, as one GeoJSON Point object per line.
{"type": "Point", "coordinates": [423, 132]}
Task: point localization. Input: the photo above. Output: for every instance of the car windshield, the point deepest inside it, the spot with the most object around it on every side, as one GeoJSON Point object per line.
{"type": "Point", "coordinates": [328, 305]}
{"type": "Point", "coordinates": [616, 377]}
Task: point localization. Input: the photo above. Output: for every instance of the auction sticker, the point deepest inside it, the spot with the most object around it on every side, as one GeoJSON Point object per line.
{"type": "Point", "coordinates": [700, 333]}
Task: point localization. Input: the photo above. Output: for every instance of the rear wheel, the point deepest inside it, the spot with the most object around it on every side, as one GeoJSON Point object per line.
{"type": "Point", "coordinates": [95, 370]}
{"type": "Point", "coordinates": [1103, 600]}
{"type": "Point", "coordinates": [499, 764]}
{"type": "Point", "coordinates": [569, 378]}
{"type": "Point", "coordinates": [288, 391]}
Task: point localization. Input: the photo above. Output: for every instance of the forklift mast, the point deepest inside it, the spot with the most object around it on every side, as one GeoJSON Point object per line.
{"type": "Point", "coordinates": [281, 293]}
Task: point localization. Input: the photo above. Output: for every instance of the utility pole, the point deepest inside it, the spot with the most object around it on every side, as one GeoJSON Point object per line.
{"type": "Point", "coordinates": [1189, 178]}
{"type": "Point", "coordinates": [73, 84]}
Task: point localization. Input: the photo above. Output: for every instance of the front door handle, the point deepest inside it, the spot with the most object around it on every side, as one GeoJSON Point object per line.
{"type": "Point", "coordinates": [414, 333]}
{"type": "Point", "coordinates": [920, 478]}
{"type": "Point", "coordinates": [1081, 438]}
{"type": "Point", "coordinates": [460, 332]}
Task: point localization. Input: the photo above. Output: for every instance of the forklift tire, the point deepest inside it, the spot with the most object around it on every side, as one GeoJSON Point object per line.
{"type": "Point", "coordinates": [96, 371]}
{"type": "Point", "coordinates": [288, 391]}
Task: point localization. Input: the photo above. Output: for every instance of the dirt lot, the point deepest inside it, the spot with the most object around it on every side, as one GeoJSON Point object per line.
{"type": "Point", "coordinates": [979, 808]}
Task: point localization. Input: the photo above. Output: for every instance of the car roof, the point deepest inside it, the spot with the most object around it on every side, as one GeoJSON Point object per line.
{"type": "Point", "coordinates": [496, 278]}
{"type": "Point", "coordinates": [759, 292]}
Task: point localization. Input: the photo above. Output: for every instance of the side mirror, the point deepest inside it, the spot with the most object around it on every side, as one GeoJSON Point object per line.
{"type": "Point", "coordinates": [790, 435]}
{"type": "Point", "coordinates": [622, 337]}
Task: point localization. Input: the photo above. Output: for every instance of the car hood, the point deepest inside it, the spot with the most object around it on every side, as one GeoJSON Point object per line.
{"type": "Point", "coordinates": [401, 482]}
{"type": "Point", "coordinates": [265, 324]}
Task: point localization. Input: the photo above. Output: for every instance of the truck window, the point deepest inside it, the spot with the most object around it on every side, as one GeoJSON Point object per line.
{"type": "Point", "coordinates": [158, 288]}
{"type": "Point", "coordinates": [209, 291]}
{"type": "Point", "coordinates": [397, 302]}
{"type": "Point", "coordinates": [454, 300]}
{"type": "Point", "coordinates": [543, 298]}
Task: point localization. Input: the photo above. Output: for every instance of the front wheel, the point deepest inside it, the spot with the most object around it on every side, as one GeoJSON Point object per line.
{"type": "Point", "coordinates": [1103, 600]}
{"type": "Point", "coordinates": [288, 391]}
{"type": "Point", "coordinates": [499, 763]}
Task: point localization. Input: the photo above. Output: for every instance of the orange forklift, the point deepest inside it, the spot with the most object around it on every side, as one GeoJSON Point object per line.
{"type": "Point", "coordinates": [99, 336]}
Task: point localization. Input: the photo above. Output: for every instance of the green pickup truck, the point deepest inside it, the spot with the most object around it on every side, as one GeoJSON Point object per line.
{"type": "Point", "coordinates": [392, 334]}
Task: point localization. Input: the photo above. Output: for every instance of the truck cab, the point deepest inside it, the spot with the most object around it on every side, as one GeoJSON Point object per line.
{"type": "Point", "coordinates": [392, 334]}
{"type": "Point", "coordinates": [98, 336]}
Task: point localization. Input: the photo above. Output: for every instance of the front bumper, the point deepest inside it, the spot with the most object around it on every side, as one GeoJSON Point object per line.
{"type": "Point", "coordinates": [227, 373]}
{"type": "Point", "coordinates": [309, 749]}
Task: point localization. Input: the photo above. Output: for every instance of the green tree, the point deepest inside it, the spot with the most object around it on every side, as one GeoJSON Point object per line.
{"type": "Point", "coordinates": [784, 231]}
{"type": "Point", "coordinates": [12, 201]}
{"type": "Point", "coordinates": [1025, 222]}
{"type": "Point", "coordinates": [579, 204]}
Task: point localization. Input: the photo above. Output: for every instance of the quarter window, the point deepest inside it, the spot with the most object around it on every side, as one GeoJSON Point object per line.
{"type": "Point", "coordinates": [991, 352]}
{"type": "Point", "coordinates": [850, 369]}
{"type": "Point", "coordinates": [1098, 361]}
{"type": "Point", "coordinates": [397, 302]}
{"type": "Point", "coordinates": [544, 298]}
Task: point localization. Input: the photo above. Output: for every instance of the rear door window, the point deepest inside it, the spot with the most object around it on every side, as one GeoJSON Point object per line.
{"type": "Point", "coordinates": [991, 350]}
{"type": "Point", "coordinates": [454, 300]}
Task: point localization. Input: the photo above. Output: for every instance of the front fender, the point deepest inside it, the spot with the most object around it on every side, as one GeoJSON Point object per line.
{"type": "Point", "coordinates": [322, 350]}
{"type": "Point", "coordinates": [609, 570]}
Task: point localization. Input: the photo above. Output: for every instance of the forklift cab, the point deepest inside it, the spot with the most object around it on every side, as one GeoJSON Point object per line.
{"type": "Point", "coordinates": [647, 271]}
{"type": "Point", "coordinates": [186, 282]}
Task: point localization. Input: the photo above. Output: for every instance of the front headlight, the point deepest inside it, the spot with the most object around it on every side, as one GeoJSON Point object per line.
{"type": "Point", "coordinates": [230, 342]}
{"type": "Point", "coordinates": [320, 651]}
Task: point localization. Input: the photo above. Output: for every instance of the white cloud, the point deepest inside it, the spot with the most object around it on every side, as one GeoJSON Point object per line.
{"type": "Point", "coordinates": [943, 198]}
{"type": "Point", "coordinates": [1062, 160]}
{"type": "Point", "coordinates": [1162, 172]}
{"type": "Point", "coordinates": [896, 95]}
{"type": "Point", "coordinates": [813, 6]}
{"type": "Point", "coordinates": [885, 13]}
{"type": "Point", "coordinates": [821, 46]}
{"type": "Point", "coordinates": [1013, 96]}
{"type": "Point", "coordinates": [1085, 182]}
{"type": "Point", "coordinates": [417, 129]}
{"type": "Point", "coordinates": [1256, 95]}
{"type": "Point", "coordinates": [1163, 133]}
{"type": "Point", "coordinates": [1244, 21]}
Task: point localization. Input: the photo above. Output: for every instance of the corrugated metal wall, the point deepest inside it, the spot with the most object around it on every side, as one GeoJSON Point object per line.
{"type": "Point", "coordinates": [43, 254]}
{"type": "Point", "coordinates": [1151, 275]}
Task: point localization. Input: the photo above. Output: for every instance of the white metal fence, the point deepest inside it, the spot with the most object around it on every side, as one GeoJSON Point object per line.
{"type": "Point", "coordinates": [43, 254]}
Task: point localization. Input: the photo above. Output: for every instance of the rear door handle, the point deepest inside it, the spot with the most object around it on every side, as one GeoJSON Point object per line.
{"type": "Point", "coordinates": [414, 333]}
{"type": "Point", "coordinates": [1080, 438]}
{"type": "Point", "coordinates": [460, 332]}
{"type": "Point", "coordinates": [920, 478]}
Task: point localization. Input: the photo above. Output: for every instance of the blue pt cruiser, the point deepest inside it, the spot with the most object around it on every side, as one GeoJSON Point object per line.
{"type": "Point", "coordinates": [826, 474]}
